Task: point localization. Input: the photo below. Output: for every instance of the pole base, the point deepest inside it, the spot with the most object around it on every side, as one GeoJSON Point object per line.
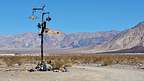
{"type": "Point", "coordinates": [43, 66]}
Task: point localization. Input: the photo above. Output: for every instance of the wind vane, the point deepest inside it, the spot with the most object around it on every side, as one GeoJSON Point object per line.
{"type": "Point", "coordinates": [42, 24]}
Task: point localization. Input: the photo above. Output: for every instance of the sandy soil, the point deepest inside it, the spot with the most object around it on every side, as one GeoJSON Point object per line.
{"type": "Point", "coordinates": [76, 73]}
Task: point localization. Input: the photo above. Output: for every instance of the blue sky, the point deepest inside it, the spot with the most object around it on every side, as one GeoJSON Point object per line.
{"type": "Point", "coordinates": [72, 15]}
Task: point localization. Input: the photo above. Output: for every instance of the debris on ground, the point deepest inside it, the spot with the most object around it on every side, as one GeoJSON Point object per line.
{"type": "Point", "coordinates": [47, 67]}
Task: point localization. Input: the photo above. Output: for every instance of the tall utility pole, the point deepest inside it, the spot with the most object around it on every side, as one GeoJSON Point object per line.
{"type": "Point", "coordinates": [41, 25]}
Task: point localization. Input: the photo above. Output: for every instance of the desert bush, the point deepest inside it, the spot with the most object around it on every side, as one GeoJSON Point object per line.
{"type": "Point", "coordinates": [68, 60]}
{"type": "Point", "coordinates": [11, 60]}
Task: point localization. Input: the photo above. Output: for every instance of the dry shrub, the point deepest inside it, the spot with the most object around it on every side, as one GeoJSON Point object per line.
{"type": "Point", "coordinates": [68, 60]}
{"type": "Point", "coordinates": [10, 60]}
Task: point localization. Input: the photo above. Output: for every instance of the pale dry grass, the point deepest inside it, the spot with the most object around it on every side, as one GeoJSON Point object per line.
{"type": "Point", "coordinates": [68, 60]}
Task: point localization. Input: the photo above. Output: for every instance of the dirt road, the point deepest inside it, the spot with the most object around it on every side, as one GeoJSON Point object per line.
{"type": "Point", "coordinates": [77, 73]}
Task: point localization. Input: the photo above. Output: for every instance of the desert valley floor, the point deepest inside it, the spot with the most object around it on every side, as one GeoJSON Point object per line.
{"type": "Point", "coordinates": [77, 73]}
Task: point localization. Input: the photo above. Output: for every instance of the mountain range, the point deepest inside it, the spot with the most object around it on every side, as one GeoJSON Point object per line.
{"type": "Point", "coordinates": [130, 40]}
{"type": "Point", "coordinates": [66, 40]}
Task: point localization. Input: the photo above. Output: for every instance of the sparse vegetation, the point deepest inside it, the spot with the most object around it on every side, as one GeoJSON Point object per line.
{"type": "Point", "coordinates": [68, 60]}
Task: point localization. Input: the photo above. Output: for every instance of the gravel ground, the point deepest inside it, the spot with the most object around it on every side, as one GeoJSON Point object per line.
{"type": "Point", "coordinates": [76, 73]}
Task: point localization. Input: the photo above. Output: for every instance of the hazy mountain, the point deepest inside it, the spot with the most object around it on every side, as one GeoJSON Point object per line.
{"type": "Point", "coordinates": [130, 39]}
{"type": "Point", "coordinates": [76, 40]}
{"type": "Point", "coordinates": [66, 40]}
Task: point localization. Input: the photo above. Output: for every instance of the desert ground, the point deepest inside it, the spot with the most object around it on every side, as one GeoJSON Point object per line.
{"type": "Point", "coordinates": [78, 73]}
{"type": "Point", "coordinates": [109, 68]}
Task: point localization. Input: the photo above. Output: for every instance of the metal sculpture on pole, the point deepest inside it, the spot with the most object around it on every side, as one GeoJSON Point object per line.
{"type": "Point", "coordinates": [42, 24]}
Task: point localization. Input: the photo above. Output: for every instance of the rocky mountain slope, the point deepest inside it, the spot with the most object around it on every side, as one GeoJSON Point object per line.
{"type": "Point", "coordinates": [130, 39]}
{"type": "Point", "coordinates": [66, 40]}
